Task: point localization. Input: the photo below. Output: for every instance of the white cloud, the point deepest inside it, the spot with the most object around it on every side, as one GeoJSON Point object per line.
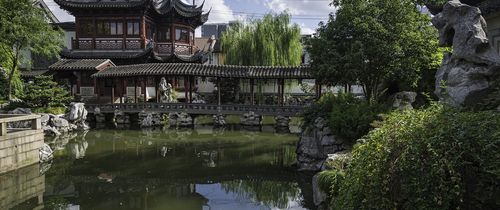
{"type": "Point", "coordinates": [62, 15]}
{"type": "Point", "coordinates": [221, 13]}
{"type": "Point", "coordinates": [301, 7]}
{"type": "Point", "coordinates": [304, 30]}
{"type": "Point", "coordinates": [306, 13]}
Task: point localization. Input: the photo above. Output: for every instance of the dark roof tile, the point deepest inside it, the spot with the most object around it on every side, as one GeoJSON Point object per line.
{"type": "Point", "coordinates": [190, 69]}
{"type": "Point", "coordinates": [80, 64]}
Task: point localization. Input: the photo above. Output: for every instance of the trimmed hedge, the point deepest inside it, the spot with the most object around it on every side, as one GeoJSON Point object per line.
{"type": "Point", "coordinates": [435, 158]}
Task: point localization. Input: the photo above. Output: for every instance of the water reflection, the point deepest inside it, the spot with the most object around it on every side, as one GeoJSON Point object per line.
{"type": "Point", "coordinates": [175, 169]}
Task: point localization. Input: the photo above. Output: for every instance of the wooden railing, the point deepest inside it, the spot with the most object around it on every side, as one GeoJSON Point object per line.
{"type": "Point", "coordinates": [13, 118]}
{"type": "Point", "coordinates": [108, 43]}
{"type": "Point", "coordinates": [205, 109]}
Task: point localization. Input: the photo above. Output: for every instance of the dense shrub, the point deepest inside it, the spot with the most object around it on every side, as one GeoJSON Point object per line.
{"type": "Point", "coordinates": [436, 158]}
{"type": "Point", "coordinates": [50, 110]}
{"type": "Point", "coordinates": [348, 117]}
{"type": "Point", "coordinates": [45, 92]}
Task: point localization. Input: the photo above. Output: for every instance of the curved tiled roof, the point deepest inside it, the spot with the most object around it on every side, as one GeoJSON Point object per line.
{"type": "Point", "coordinates": [101, 3]}
{"type": "Point", "coordinates": [190, 69]}
{"type": "Point", "coordinates": [166, 6]}
{"type": "Point", "coordinates": [80, 64]}
{"type": "Point", "coordinates": [34, 73]}
{"type": "Point", "coordinates": [81, 54]}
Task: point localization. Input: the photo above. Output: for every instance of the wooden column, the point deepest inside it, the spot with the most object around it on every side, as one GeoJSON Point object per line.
{"type": "Point", "coordinates": [78, 82]}
{"type": "Point", "coordinates": [97, 90]}
{"type": "Point", "coordinates": [113, 91]}
{"type": "Point", "coordinates": [135, 89]}
{"type": "Point", "coordinates": [124, 90]}
{"type": "Point", "coordinates": [252, 96]}
{"type": "Point", "coordinates": [219, 101]}
{"type": "Point", "coordinates": [144, 85]}
{"type": "Point", "coordinates": [186, 96]}
{"type": "Point", "coordinates": [282, 99]}
{"type": "Point", "coordinates": [191, 81]}
{"type": "Point", "coordinates": [157, 91]}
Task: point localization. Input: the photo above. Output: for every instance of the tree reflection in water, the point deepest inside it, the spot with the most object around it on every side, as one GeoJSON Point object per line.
{"type": "Point", "coordinates": [105, 169]}
{"type": "Point", "coordinates": [270, 193]}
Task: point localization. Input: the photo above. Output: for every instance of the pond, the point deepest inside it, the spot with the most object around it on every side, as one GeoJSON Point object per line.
{"type": "Point", "coordinates": [202, 169]}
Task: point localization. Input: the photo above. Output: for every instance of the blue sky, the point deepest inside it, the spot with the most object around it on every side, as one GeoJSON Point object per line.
{"type": "Point", "coordinates": [306, 13]}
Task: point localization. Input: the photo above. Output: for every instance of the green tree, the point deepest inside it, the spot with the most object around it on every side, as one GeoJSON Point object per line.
{"type": "Point", "coordinates": [44, 92]}
{"type": "Point", "coordinates": [24, 26]}
{"type": "Point", "coordinates": [372, 43]}
{"type": "Point", "coordinates": [270, 41]}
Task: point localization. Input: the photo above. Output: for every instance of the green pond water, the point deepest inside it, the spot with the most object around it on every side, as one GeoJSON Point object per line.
{"type": "Point", "coordinates": [202, 169]}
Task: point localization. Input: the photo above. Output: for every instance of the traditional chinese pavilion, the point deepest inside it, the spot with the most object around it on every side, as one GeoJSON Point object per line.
{"type": "Point", "coordinates": [122, 50]}
{"type": "Point", "coordinates": [135, 31]}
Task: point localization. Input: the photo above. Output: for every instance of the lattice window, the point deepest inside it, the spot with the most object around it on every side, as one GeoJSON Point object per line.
{"type": "Point", "coordinates": [87, 91]}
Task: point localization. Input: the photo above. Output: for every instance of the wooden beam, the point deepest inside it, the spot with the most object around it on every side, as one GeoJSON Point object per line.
{"type": "Point", "coordinates": [113, 92]}
{"type": "Point", "coordinates": [282, 100]}
{"type": "Point", "coordinates": [135, 89]}
{"type": "Point", "coordinates": [219, 99]}
{"type": "Point", "coordinates": [191, 81]}
{"type": "Point", "coordinates": [144, 86]}
{"type": "Point", "coordinates": [157, 91]}
{"type": "Point", "coordinates": [186, 89]}
{"type": "Point", "coordinates": [252, 95]}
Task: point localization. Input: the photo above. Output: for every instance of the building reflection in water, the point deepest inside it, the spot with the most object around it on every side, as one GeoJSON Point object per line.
{"type": "Point", "coordinates": [22, 188]}
{"type": "Point", "coordinates": [173, 169]}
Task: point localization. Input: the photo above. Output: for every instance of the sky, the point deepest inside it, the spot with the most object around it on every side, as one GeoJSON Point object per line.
{"type": "Point", "coordinates": [306, 13]}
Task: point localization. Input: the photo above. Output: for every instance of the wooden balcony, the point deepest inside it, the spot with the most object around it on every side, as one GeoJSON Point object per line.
{"type": "Point", "coordinates": [167, 48]}
{"type": "Point", "coordinates": [108, 43]}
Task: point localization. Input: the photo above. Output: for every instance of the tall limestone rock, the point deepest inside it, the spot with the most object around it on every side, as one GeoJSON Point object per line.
{"type": "Point", "coordinates": [469, 76]}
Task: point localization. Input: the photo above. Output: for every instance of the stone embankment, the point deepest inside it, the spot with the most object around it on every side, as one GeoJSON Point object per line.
{"type": "Point", "coordinates": [316, 143]}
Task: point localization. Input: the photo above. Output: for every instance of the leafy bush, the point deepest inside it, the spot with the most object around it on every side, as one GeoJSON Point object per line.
{"type": "Point", "coordinates": [45, 92]}
{"type": "Point", "coordinates": [330, 182]}
{"type": "Point", "coordinates": [349, 117]}
{"type": "Point", "coordinates": [50, 110]}
{"type": "Point", "coordinates": [436, 158]}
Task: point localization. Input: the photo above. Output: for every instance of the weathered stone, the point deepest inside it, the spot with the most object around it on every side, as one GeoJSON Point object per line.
{"type": "Point", "coordinates": [59, 122]}
{"type": "Point", "coordinates": [219, 120]}
{"type": "Point", "coordinates": [338, 160]}
{"type": "Point", "coordinates": [184, 120]}
{"type": "Point", "coordinates": [121, 117]}
{"type": "Point", "coordinates": [150, 119]}
{"type": "Point", "coordinates": [251, 119]}
{"type": "Point", "coordinates": [78, 116]}
{"type": "Point", "coordinates": [21, 124]}
{"type": "Point", "coordinates": [327, 140]}
{"type": "Point", "coordinates": [314, 145]}
{"type": "Point", "coordinates": [403, 100]}
{"type": "Point", "coordinates": [99, 116]}
{"type": "Point", "coordinates": [282, 121]}
{"type": "Point", "coordinates": [320, 123]}
{"type": "Point", "coordinates": [469, 75]}
{"type": "Point", "coordinates": [166, 91]}
{"type": "Point", "coordinates": [319, 196]}
{"type": "Point", "coordinates": [46, 153]}
{"type": "Point", "coordinates": [180, 119]}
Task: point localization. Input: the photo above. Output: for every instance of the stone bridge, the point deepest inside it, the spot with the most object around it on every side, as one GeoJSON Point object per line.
{"type": "Point", "coordinates": [201, 109]}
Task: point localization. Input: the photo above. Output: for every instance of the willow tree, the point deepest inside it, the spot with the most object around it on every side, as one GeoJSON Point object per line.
{"type": "Point", "coordinates": [270, 41]}
{"type": "Point", "coordinates": [24, 27]}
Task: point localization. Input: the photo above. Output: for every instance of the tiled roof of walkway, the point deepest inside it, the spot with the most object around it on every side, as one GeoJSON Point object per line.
{"type": "Point", "coordinates": [190, 69]}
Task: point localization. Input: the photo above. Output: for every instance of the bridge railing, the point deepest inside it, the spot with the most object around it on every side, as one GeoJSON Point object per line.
{"type": "Point", "coordinates": [5, 119]}
{"type": "Point", "coordinates": [199, 108]}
